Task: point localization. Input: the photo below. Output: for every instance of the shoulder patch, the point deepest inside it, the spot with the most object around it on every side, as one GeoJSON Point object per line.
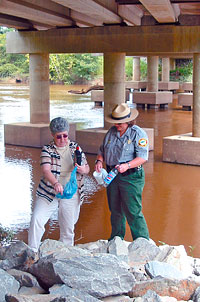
{"type": "Point", "coordinates": [142, 142]}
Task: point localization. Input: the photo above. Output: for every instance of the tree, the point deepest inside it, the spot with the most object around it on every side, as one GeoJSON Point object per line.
{"type": "Point", "coordinates": [12, 65]}
{"type": "Point", "coordinates": [73, 68]}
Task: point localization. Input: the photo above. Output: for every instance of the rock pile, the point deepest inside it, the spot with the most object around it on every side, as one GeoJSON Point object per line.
{"type": "Point", "coordinates": [115, 271]}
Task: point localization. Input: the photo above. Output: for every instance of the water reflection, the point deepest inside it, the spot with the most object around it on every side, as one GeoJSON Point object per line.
{"type": "Point", "coordinates": [171, 195]}
{"type": "Point", "coordinates": [20, 171]}
{"type": "Point", "coordinates": [15, 200]}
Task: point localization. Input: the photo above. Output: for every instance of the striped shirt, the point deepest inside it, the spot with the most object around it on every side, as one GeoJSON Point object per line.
{"type": "Point", "coordinates": [50, 155]}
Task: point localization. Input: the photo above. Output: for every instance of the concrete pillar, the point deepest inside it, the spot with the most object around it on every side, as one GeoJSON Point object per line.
{"type": "Point", "coordinates": [136, 68]}
{"type": "Point", "coordinates": [114, 82]}
{"type": "Point", "coordinates": [39, 88]}
{"type": "Point", "coordinates": [165, 69]}
{"type": "Point", "coordinates": [172, 63]}
{"type": "Point", "coordinates": [152, 73]}
{"type": "Point", "coordinates": [196, 96]}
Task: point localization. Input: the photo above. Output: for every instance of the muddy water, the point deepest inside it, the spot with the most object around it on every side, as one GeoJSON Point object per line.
{"type": "Point", "coordinates": [171, 198]}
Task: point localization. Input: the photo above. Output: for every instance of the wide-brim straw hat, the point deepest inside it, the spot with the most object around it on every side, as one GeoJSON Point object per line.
{"type": "Point", "coordinates": [122, 114]}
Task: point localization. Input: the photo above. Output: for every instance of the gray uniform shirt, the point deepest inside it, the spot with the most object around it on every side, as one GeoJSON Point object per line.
{"type": "Point", "coordinates": [133, 143]}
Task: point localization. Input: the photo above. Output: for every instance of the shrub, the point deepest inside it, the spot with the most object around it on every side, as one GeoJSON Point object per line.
{"type": "Point", "coordinates": [6, 235]}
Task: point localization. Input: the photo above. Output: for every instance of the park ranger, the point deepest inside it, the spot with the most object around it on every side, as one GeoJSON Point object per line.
{"type": "Point", "coordinates": [125, 147]}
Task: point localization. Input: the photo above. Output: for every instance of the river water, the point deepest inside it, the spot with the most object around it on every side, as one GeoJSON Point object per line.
{"type": "Point", "coordinates": [171, 198]}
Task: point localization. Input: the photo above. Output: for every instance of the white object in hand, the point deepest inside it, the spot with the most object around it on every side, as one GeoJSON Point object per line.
{"type": "Point", "coordinates": [100, 176]}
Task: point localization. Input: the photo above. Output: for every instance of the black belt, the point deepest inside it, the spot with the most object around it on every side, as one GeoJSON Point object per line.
{"type": "Point", "coordinates": [128, 172]}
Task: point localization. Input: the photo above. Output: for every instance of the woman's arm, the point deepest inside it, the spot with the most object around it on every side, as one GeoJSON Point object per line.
{"type": "Point", "coordinates": [48, 175]}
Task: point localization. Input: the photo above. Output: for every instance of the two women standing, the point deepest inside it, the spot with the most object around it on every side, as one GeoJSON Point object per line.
{"type": "Point", "coordinates": [125, 147]}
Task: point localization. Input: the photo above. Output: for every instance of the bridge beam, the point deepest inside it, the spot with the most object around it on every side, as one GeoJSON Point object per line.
{"type": "Point", "coordinates": [166, 40]}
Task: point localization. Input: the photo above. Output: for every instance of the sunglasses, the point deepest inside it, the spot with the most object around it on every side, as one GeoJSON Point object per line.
{"type": "Point", "coordinates": [59, 136]}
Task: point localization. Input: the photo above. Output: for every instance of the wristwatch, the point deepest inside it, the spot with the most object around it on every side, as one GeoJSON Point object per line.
{"type": "Point", "coordinates": [96, 161]}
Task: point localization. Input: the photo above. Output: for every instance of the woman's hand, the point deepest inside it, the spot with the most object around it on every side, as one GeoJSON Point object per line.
{"type": "Point", "coordinates": [84, 169]}
{"type": "Point", "coordinates": [58, 188]}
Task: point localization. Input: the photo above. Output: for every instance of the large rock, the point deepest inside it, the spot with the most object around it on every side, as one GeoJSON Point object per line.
{"type": "Point", "coordinates": [68, 299]}
{"type": "Point", "coordinates": [117, 299]}
{"type": "Point", "coordinates": [66, 291]}
{"type": "Point", "coordinates": [35, 290]}
{"type": "Point", "coordinates": [118, 247]}
{"type": "Point", "coordinates": [162, 269]}
{"type": "Point", "coordinates": [142, 250]}
{"type": "Point", "coordinates": [150, 296]}
{"type": "Point", "coordinates": [17, 255]}
{"type": "Point", "coordinates": [179, 289]}
{"type": "Point", "coordinates": [8, 284]}
{"type": "Point", "coordinates": [35, 298]}
{"type": "Point", "coordinates": [176, 256]}
{"type": "Point", "coordinates": [100, 275]}
{"type": "Point", "coordinates": [81, 274]}
{"type": "Point", "coordinates": [24, 278]}
{"type": "Point", "coordinates": [99, 246]}
{"type": "Point", "coordinates": [196, 295]}
{"type": "Point", "coordinates": [59, 250]}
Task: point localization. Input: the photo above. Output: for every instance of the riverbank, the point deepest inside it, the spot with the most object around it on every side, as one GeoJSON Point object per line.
{"type": "Point", "coordinates": [16, 80]}
{"type": "Point", "coordinates": [115, 271]}
{"type": "Point", "coordinates": [25, 80]}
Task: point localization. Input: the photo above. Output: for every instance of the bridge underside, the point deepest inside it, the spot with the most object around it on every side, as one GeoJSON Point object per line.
{"type": "Point", "coordinates": [161, 40]}
{"type": "Point", "coordinates": [115, 42]}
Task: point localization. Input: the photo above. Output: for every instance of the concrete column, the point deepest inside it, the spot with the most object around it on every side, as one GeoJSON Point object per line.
{"type": "Point", "coordinates": [39, 88]}
{"type": "Point", "coordinates": [165, 69]}
{"type": "Point", "coordinates": [114, 82]}
{"type": "Point", "coordinates": [152, 73]}
{"type": "Point", "coordinates": [196, 96]}
{"type": "Point", "coordinates": [172, 63]}
{"type": "Point", "coordinates": [136, 68]}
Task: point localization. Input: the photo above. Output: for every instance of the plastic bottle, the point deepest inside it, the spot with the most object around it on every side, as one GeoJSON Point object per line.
{"type": "Point", "coordinates": [78, 156]}
{"type": "Point", "coordinates": [99, 176]}
{"type": "Point", "coordinates": [111, 175]}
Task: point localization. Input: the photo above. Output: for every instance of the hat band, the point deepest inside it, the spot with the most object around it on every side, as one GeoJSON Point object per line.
{"type": "Point", "coordinates": [121, 118]}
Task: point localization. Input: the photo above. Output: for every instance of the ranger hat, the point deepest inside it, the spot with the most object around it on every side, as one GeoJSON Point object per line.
{"type": "Point", "coordinates": [122, 114]}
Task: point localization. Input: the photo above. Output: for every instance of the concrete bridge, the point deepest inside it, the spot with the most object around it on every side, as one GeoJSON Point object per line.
{"type": "Point", "coordinates": [151, 28]}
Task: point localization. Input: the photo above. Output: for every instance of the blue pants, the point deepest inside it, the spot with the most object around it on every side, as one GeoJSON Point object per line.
{"type": "Point", "coordinates": [125, 202]}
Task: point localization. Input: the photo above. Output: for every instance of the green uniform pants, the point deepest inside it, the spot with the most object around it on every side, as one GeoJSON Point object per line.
{"type": "Point", "coordinates": [125, 202]}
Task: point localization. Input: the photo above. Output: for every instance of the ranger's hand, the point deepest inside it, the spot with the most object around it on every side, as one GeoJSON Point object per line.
{"type": "Point", "coordinates": [98, 166]}
{"type": "Point", "coordinates": [122, 168]}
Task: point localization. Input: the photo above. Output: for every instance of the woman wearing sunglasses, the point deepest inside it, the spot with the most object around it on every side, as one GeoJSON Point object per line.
{"type": "Point", "coordinates": [57, 162]}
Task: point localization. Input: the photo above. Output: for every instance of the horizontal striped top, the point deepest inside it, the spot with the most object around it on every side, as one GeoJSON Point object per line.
{"type": "Point", "coordinates": [50, 155]}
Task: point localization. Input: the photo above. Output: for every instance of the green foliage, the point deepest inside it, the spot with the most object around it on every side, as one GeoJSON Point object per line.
{"type": "Point", "coordinates": [6, 235]}
{"type": "Point", "coordinates": [4, 29]}
{"type": "Point", "coordinates": [191, 250]}
{"type": "Point", "coordinates": [129, 68]}
{"type": "Point", "coordinates": [7, 70]}
{"type": "Point", "coordinates": [74, 68]}
{"type": "Point", "coordinates": [78, 68]}
{"type": "Point", "coordinates": [11, 65]}
{"type": "Point", "coordinates": [183, 72]}
{"type": "Point", "coordinates": [143, 69]}
{"type": "Point", "coordinates": [161, 242]}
